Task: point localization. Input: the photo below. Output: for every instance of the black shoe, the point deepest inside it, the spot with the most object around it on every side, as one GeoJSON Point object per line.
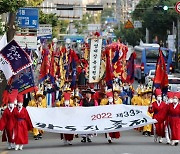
{"type": "Point", "coordinates": [176, 143]}
{"type": "Point", "coordinates": [40, 136]}
{"type": "Point", "coordinates": [83, 140]}
{"type": "Point", "coordinates": [146, 134]}
{"type": "Point", "coordinates": [109, 141]}
{"type": "Point", "coordinates": [36, 137]}
{"type": "Point", "coordinates": [89, 140]}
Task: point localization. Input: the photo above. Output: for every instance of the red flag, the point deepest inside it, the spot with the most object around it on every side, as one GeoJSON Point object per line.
{"type": "Point", "coordinates": [130, 68]}
{"type": "Point", "coordinates": [44, 70]}
{"type": "Point", "coordinates": [109, 70]}
{"type": "Point", "coordinates": [161, 77]}
{"type": "Point", "coordinates": [52, 68]}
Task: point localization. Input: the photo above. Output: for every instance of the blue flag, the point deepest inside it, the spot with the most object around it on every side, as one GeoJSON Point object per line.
{"type": "Point", "coordinates": [17, 58]}
{"type": "Point", "coordinates": [23, 81]}
{"type": "Point", "coordinates": [73, 83]}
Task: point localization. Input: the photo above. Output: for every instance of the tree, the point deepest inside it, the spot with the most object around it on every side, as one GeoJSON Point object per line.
{"type": "Point", "coordinates": [11, 6]}
{"type": "Point", "coordinates": [157, 21]}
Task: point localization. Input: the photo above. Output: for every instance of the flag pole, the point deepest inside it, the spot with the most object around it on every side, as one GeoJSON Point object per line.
{"type": "Point", "coordinates": [154, 75]}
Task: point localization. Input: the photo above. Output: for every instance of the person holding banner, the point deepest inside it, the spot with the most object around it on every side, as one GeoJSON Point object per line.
{"type": "Point", "coordinates": [112, 135]}
{"type": "Point", "coordinates": [156, 107]}
{"type": "Point", "coordinates": [39, 102]}
{"type": "Point", "coordinates": [87, 102]}
{"type": "Point", "coordinates": [22, 124]}
{"type": "Point", "coordinates": [67, 102]}
{"type": "Point", "coordinates": [7, 120]}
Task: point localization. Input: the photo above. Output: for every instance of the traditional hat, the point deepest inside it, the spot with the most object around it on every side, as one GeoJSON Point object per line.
{"type": "Point", "coordinates": [12, 96]}
{"type": "Point", "coordinates": [67, 87]}
{"type": "Point", "coordinates": [170, 94]}
{"type": "Point", "coordinates": [158, 92]}
{"type": "Point", "coordinates": [109, 94]}
{"type": "Point", "coordinates": [20, 98]}
{"type": "Point", "coordinates": [89, 90]}
{"type": "Point", "coordinates": [39, 94]}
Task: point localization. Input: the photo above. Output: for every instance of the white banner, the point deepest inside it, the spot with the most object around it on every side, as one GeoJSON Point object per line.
{"type": "Point", "coordinates": [95, 60]}
{"type": "Point", "coordinates": [84, 120]}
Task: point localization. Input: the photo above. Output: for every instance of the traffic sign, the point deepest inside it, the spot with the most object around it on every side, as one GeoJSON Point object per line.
{"type": "Point", "coordinates": [129, 25]}
{"type": "Point", "coordinates": [44, 31]}
{"type": "Point", "coordinates": [177, 7]}
{"type": "Point", "coordinates": [137, 24]}
{"type": "Point", "coordinates": [28, 18]}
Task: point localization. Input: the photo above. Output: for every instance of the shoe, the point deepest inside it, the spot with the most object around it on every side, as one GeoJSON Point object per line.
{"type": "Point", "coordinates": [146, 134]}
{"type": "Point", "coordinates": [16, 147]}
{"type": "Point", "coordinates": [39, 136]}
{"type": "Point", "coordinates": [160, 140]}
{"type": "Point", "coordinates": [21, 147]}
{"type": "Point", "coordinates": [9, 146]}
{"type": "Point", "coordinates": [89, 140]}
{"type": "Point", "coordinates": [176, 143]}
{"type": "Point", "coordinates": [110, 141]}
{"type": "Point", "coordinates": [83, 140]}
{"type": "Point", "coordinates": [36, 138]}
{"type": "Point", "coordinates": [69, 142]}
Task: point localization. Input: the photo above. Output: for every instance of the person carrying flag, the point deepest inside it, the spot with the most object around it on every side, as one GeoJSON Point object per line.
{"type": "Point", "coordinates": [156, 107]}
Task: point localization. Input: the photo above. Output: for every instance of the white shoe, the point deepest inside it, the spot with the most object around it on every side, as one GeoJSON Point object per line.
{"type": "Point", "coordinates": [9, 146]}
{"type": "Point", "coordinates": [69, 142]}
{"type": "Point", "coordinates": [17, 147]}
{"type": "Point", "coordinates": [160, 140]}
{"type": "Point", "coordinates": [21, 147]}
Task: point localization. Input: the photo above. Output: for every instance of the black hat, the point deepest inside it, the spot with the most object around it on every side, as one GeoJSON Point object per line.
{"type": "Point", "coordinates": [88, 90]}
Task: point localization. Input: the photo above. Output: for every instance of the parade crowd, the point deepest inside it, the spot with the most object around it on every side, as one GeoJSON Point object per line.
{"type": "Point", "coordinates": [15, 121]}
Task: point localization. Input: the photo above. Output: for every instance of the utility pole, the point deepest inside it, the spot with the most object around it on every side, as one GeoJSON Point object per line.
{"type": "Point", "coordinates": [178, 44]}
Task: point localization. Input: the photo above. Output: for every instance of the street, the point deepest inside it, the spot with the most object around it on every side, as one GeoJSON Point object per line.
{"type": "Point", "coordinates": [131, 142]}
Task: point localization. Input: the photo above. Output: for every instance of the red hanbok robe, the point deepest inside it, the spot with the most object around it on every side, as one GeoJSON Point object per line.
{"type": "Point", "coordinates": [160, 126]}
{"type": "Point", "coordinates": [22, 126]}
{"type": "Point", "coordinates": [173, 113]}
{"type": "Point", "coordinates": [7, 125]}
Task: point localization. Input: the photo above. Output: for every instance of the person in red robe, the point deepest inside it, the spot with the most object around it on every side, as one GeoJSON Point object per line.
{"type": "Point", "coordinates": [22, 124]}
{"type": "Point", "coordinates": [7, 120]}
{"type": "Point", "coordinates": [173, 113]}
{"type": "Point", "coordinates": [67, 102]}
{"type": "Point", "coordinates": [156, 107]}
{"type": "Point", "coordinates": [112, 135]}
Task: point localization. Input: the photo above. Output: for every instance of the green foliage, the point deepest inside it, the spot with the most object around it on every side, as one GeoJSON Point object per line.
{"type": "Point", "coordinates": [130, 36]}
{"type": "Point", "coordinates": [11, 5]}
{"type": "Point", "coordinates": [157, 21]}
{"type": "Point", "coordinates": [34, 2]}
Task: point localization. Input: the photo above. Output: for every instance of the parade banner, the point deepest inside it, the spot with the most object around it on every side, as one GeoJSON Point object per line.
{"type": "Point", "coordinates": [13, 59]}
{"type": "Point", "coordinates": [85, 120]}
{"type": "Point", "coordinates": [95, 60]}
{"type": "Point", "coordinates": [24, 81]}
